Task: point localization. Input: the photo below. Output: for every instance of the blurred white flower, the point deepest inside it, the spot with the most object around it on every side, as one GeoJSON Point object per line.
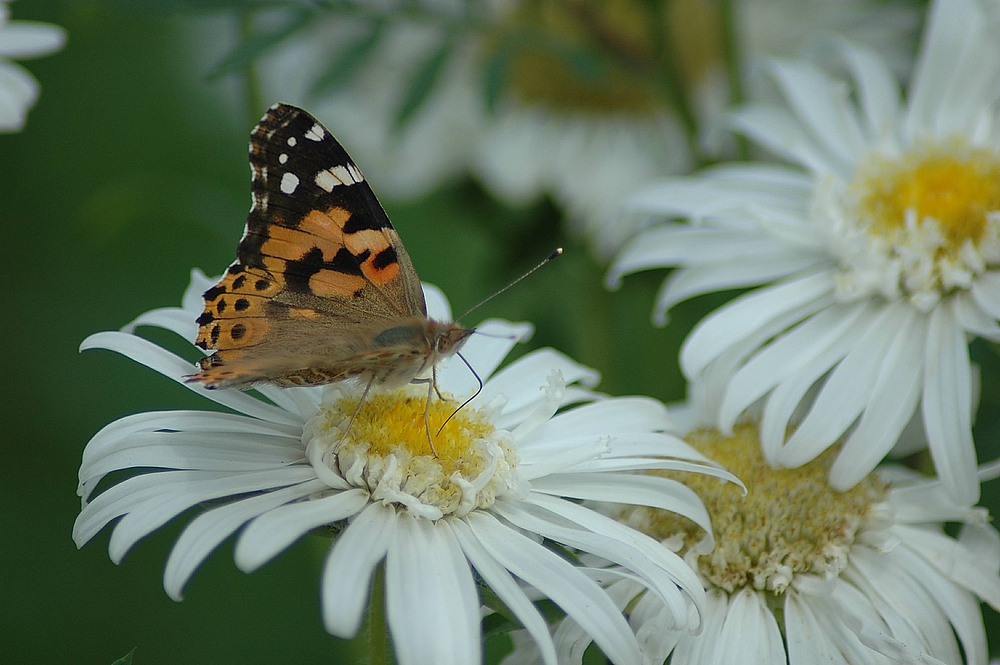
{"type": "Point", "coordinates": [878, 254]}
{"type": "Point", "coordinates": [18, 88]}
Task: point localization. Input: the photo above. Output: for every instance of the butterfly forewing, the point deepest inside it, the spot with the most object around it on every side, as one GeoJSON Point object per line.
{"type": "Point", "coordinates": [320, 271]}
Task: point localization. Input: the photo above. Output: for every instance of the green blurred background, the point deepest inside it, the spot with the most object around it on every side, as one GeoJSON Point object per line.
{"type": "Point", "coordinates": [131, 171]}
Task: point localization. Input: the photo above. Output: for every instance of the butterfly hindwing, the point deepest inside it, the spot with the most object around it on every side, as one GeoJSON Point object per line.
{"type": "Point", "coordinates": [319, 271]}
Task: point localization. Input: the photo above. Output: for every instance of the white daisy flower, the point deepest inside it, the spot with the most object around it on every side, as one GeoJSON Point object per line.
{"type": "Point", "coordinates": [878, 254]}
{"type": "Point", "coordinates": [18, 88]}
{"type": "Point", "coordinates": [804, 574]}
{"type": "Point", "coordinates": [507, 464]}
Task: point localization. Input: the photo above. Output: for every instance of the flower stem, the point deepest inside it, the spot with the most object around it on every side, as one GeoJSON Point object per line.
{"type": "Point", "coordinates": [731, 48]}
{"type": "Point", "coordinates": [251, 82]}
{"type": "Point", "coordinates": [375, 635]}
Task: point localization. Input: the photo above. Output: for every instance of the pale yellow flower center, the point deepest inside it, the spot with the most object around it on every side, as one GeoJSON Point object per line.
{"type": "Point", "coordinates": [791, 521]}
{"type": "Point", "coordinates": [384, 446]}
{"type": "Point", "coordinates": [956, 188]}
{"type": "Point", "coordinates": [606, 56]}
{"type": "Point", "coordinates": [918, 226]}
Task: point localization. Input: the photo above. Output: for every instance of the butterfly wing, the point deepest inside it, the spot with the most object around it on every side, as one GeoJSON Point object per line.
{"type": "Point", "coordinates": [319, 270]}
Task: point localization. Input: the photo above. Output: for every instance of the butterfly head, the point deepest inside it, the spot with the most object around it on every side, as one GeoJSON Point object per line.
{"type": "Point", "coordinates": [448, 338]}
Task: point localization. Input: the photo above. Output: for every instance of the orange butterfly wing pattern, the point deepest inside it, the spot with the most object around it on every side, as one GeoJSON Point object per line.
{"type": "Point", "coordinates": [322, 289]}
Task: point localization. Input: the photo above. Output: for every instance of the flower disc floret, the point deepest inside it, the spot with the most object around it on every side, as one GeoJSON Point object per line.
{"type": "Point", "coordinates": [790, 522]}
{"type": "Point", "coordinates": [917, 226]}
{"type": "Point", "coordinates": [384, 447]}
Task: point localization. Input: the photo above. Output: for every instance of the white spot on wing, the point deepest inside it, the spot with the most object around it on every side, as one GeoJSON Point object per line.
{"type": "Point", "coordinates": [282, 158]}
{"type": "Point", "coordinates": [338, 175]}
{"type": "Point", "coordinates": [289, 182]}
{"type": "Point", "coordinates": [292, 141]}
{"type": "Point", "coordinates": [316, 133]}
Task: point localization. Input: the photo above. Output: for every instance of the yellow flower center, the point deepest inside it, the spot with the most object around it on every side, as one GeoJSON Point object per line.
{"type": "Point", "coordinates": [956, 188]}
{"type": "Point", "coordinates": [918, 226]}
{"type": "Point", "coordinates": [384, 447]}
{"type": "Point", "coordinates": [790, 522]}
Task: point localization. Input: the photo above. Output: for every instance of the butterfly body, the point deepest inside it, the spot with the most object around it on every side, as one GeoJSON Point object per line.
{"type": "Point", "coordinates": [322, 289]}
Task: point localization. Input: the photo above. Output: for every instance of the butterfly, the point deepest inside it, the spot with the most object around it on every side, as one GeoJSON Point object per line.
{"type": "Point", "coordinates": [322, 289]}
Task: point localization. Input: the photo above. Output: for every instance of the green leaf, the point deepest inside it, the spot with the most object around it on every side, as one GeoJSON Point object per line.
{"type": "Point", "coordinates": [423, 82]}
{"type": "Point", "coordinates": [255, 46]}
{"type": "Point", "coordinates": [126, 659]}
{"type": "Point", "coordinates": [346, 63]}
{"type": "Point", "coordinates": [202, 6]}
{"type": "Point", "coordinates": [495, 72]}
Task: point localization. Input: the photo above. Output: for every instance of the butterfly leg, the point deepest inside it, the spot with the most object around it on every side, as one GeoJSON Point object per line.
{"type": "Point", "coordinates": [431, 387]}
{"type": "Point", "coordinates": [357, 409]}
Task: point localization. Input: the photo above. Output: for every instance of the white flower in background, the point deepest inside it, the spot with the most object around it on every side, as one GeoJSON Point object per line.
{"type": "Point", "coordinates": [506, 465]}
{"type": "Point", "coordinates": [877, 255]}
{"type": "Point", "coordinates": [804, 574]}
{"type": "Point", "coordinates": [18, 88]}
{"type": "Point", "coordinates": [587, 144]}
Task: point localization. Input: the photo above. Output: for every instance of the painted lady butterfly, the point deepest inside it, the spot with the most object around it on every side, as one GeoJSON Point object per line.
{"type": "Point", "coordinates": [322, 289]}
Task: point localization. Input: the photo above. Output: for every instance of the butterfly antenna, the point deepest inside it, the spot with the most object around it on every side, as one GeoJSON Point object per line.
{"type": "Point", "coordinates": [475, 394]}
{"type": "Point", "coordinates": [557, 252]}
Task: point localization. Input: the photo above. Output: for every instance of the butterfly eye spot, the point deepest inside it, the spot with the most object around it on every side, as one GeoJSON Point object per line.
{"type": "Point", "coordinates": [238, 331]}
{"type": "Point", "coordinates": [239, 282]}
{"type": "Point", "coordinates": [242, 305]}
{"type": "Point", "coordinates": [261, 284]}
{"type": "Point", "coordinates": [216, 331]}
{"type": "Point", "coordinates": [205, 319]}
{"type": "Point", "coordinates": [221, 305]}
{"type": "Point", "coordinates": [236, 269]}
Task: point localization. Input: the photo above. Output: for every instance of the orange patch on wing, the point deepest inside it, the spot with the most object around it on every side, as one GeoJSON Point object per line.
{"type": "Point", "coordinates": [303, 313]}
{"type": "Point", "coordinates": [328, 224]}
{"type": "Point", "coordinates": [240, 333]}
{"type": "Point", "coordinates": [332, 284]}
{"type": "Point", "coordinates": [379, 276]}
{"type": "Point", "coordinates": [366, 239]}
{"type": "Point", "coordinates": [292, 244]}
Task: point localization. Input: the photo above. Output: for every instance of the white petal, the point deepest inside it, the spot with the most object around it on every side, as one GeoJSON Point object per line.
{"type": "Point", "coordinates": [972, 317]}
{"type": "Point", "coordinates": [506, 588]}
{"type": "Point", "coordinates": [955, 561]}
{"type": "Point", "coordinates": [877, 87]}
{"type": "Point", "coordinates": [823, 108]}
{"type": "Point", "coordinates": [986, 291]}
{"type": "Point", "coordinates": [947, 406]}
{"type": "Point", "coordinates": [663, 570]}
{"type": "Point", "coordinates": [631, 489]}
{"type": "Point", "coordinates": [275, 530]}
{"type": "Point", "coordinates": [30, 39]}
{"type": "Point", "coordinates": [523, 380]}
{"type": "Point", "coordinates": [18, 92]}
{"type": "Point", "coordinates": [786, 398]}
{"type": "Point", "coordinates": [750, 633]}
{"type": "Point", "coordinates": [484, 350]}
{"type": "Point", "coordinates": [892, 404]}
{"type": "Point", "coordinates": [174, 319]}
{"type": "Point", "coordinates": [350, 566]}
{"type": "Point", "coordinates": [785, 357]}
{"type": "Point", "coordinates": [437, 303]}
{"type": "Point", "coordinates": [165, 498]}
{"type": "Point", "coordinates": [777, 130]}
{"type": "Point", "coordinates": [808, 640]}
{"type": "Point", "coordinates": [960, 606]}
{"type": "Point", "coordinates": [431, 602]}
{"type": "Point", "coordinates": [686, 283]}
{"type": "Point", "coordinates": [704, 647]}
{"type": "Point", "coordinates": [208, 530]}
{"type": "Point", "coordinates": [731, 324]}
{"type": "Point", "coordinates": [155, 498]}
{"type": "Point", "coordinates": [173, 367]}
{"type": "Point", "coordinates": [565, 585]}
